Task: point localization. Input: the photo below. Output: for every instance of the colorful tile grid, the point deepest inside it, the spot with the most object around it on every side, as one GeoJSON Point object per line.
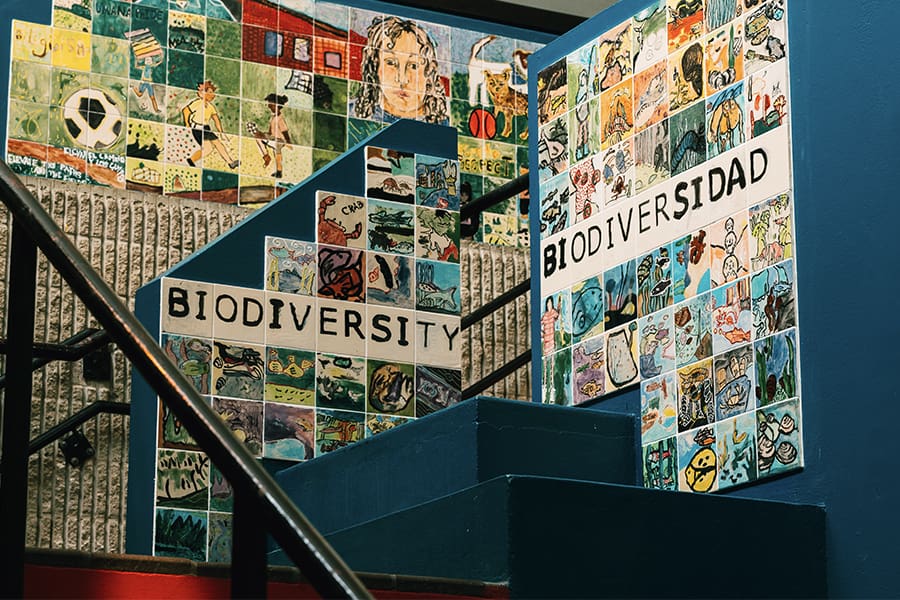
{"type": "Point", "coordinates": [705, 323]}
{"type": "Point", "coordinates": [350, 335]}
{"type": "Point", "coordinates": [111, 95]}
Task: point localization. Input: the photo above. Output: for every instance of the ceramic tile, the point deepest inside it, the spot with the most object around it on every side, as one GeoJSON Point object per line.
{"type": "Point", "coordinates": [290, 266]}
{"type": "Point", "coordinates": [556, 380]}
{"type": "Point", "coordinates": [390, 227]}
{"type": "Point", "coordinates": [192, 356]}
{"type": "Point", "coordinates": [389, 280]}
{"type": "Point", "coordinates": [172, 434]}
{"type": "Point", "coordinates": [582, 67]}
{"type": "Point", "coordinates": [618, 172]}
{"type": "Point", "coordinates": [685, 23]}
{"type": "Point", "coordinates": [736, 449]}
{"type": "Point", "coordinates": [765, 35]}
{"type": "Point", "coordinates": [696, 401]}
{"type": "Point", "coordinates": [499, 229]}
{"type": "Point", "coordinates": [621, 356]}
{"type": "Point", "coordinates": [651, 156]}
{"type": "Point", "coordinates": [724, 61]}
{"type": "Point", "coordinates": [187, 307]}
{"type": "Point", "coordinates": [31, 42]}
{"type": "Point", "coordinates": [586, 180]}
{"type": "Point", "coordinates": [556, 205]}
{"type": "Point", "coordinates": [776, 368]}
{"type": "Point", "coordinates": [767, 106]}
{"type": "Point", "coordinates": [732, 319]}
{"type": "Point", "coordinates": [392, 334]}
{"type": "Point", "coordinates": [650, 35]}
{"type": "Point", "coordinates": [341, 382]}
{"type": "Point", "coordinates": [110, 18]}
{"type": "Point", "coordinates": [728, 243]}
{"type": "Point", "coordinates": [219, 550]}
{"type": "Point", "coordinates": [659, 465]}
{"type": "Point", "coordinates": [30, 82]}
{"type": "Point", "coordinates": [436, 389]}
{"type": "Point", "coordinates": [556, 322]}
{"type": "Point", "coordinates": [588, 314]}
{"type": "Point", "coordinates": [223, 38]}
{"type": "Point", "coordinates": [290, 376]}
{"type": "Point", "coordinates": [390, 388]}
{"type": "Point", "coordinates": [181, 534]}
{"type": "Point", "coordinates": [331, 57]}
{"type": "Point", "coordinates": [659, 407]}
{"type": "Point", "coordinates": [698, 467]}
{"type": "Point", "coordinates": [734, 373]}
{"type": "Point", "coordinates": [620, 286]}
{"type": "Point", "coordinates": [181, 181]}
{"type": "Point", "coordinates": [685, 76]}
{"type": "Point", "coordinates": [779, 438]}
{"type": "Point", "coordinates": [553, 151]}
{"type": "Point", "coordinates": [182, 480]}
{"type": "Point", "coordinates": [238, 314]}
{"type": "Point", "coordinates": [330, 94]}
{"type": "Point", "coordinates": [342, 327]}
{"type": "Point", "coordinates": [654, 280]}
{"type": "Point", "coordinates": [377, 423]}
{"type": "Point", "coordinates": [289, 432]}
{"type": "Point", "coordinates": [221, 495]}
{"type": "Point", "coordinates": [588, 370]}
{"type": "Point", "coordinates": [146, 141]}
{"type": "Point", "coordinates": [437, 287]}
{"type": "Point", "coordinates": [334, 18]}
{"type": "Point", "coordinates": [615, 56]}
{"type": "Point", "coordinates": [337, 428]}
{"type": "Point", "coordinates": [329, 132]}
{"type": "Point", "coordinates": [552, 101]}
{"type": "Point", "coordinates": [436, 182]}
{"type": "Point", "coordinates": [772, 232]}
{"type": "Point", "coordinates": [29, 122]}
{"type": "Point", "coordinates": [656, 343]}
{"type": "Point", "coordinates": [197, 7]}
{"type": "Point", "coordinates": [437, 340]}
{"type": "Point", "coordinates": [358, 130]}
{"type": "Point", "coordinates": [184, 68]}
{"type": "Point", "coordinates": [687, 134]}
{"type": "Point", "coordinates": [772, 294]}
{"type": "Point", "coordinates": [437, 236]}
{"type": "Point", "coordinates": [651, 92]}
{"type": "Point", "coordinates": [690, 271]}
{"type": "Point", "coordinates": [245, 419]}
{"type": "Point", "coordinates": [187, 32]}
{"type": "Point", "coordinates": [341, 273]}
{"type": "Point", "coordinates": [255, 191]}
{"type": "Point", "coordinates": [617, 108]}
{"type": "Point", "coordinates": [360, 23]}
{"type": "Point", "coordinates": [693, 330]}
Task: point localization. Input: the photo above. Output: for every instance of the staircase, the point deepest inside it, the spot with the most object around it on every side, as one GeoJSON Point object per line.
{"type": "Point", "coordinates": [543, 500]}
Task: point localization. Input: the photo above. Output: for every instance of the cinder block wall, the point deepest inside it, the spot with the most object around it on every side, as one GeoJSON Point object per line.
{"type": "Point", "coordinates": [130, 238]}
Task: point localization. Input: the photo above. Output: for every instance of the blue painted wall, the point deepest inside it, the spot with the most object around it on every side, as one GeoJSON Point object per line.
{"type": "Point", "coordinates": [845, 87]}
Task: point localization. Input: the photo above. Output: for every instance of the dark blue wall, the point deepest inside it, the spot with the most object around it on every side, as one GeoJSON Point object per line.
{"type": "Point", "coordinates": [846, 124]}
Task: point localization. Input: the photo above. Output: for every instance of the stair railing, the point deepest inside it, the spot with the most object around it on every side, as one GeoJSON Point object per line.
{"type": "Point", "coordinates": [260, 506]}
{"type": "Point", "coordinates": [470, 212]}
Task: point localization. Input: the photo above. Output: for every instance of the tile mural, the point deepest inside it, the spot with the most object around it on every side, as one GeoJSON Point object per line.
{"type": "Point", "coordinates": [667, 241]}
{"type": "Point", "coordinates": [346, 337]}
{"type": "Point", "coordinates": [234, 101]}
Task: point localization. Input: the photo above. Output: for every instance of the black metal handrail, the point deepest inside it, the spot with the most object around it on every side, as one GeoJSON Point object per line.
{"type": "Point", "coordinates": [82, 416]}
{"type": "Point", "coordinates": [258, 499]}
{"type": "Point", "coordinates": [74, 348]}
{"type": "Point", "coordinates": [495, 196]}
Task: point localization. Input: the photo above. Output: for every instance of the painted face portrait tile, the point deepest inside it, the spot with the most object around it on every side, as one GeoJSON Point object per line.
{"type": "Point", "coordinates": [732, 319]}
{"type": "Point", "coordinates": [729, 249]}
{"type": "Point", "coordinates": [771, 227]}
{"type": "Point", "coordinates": [337, 429]}
{"type": "Point", "coordinates": [588, 370]}
{"type": "Point", "coordinates": [620, 287]}
{"type": "Point", "coordinates": [245, 419]}
{"type": "Point", "coordinates": [182, 480]}
{"type": "Point", "coordinates": [685, 22]}
{"type": "Point", "coordinates": [621, 356]}
{"type": "Point", "coordinates": [773, 299]}
{"type": "Point", "coordinates": [290, 376]}
{"type": "Point", "coordinates": [691, 266]}
{"type": "Point", "coordinates": [651, 93]}
{"type": "Point", "coordinates": [725, 115]}
{"type": "Point", "coordinates": [436, 388]}
{"type": "Point", "coordinates": [776, 368]}
{"type": "Point", "coordinates": [391, 388]}
{"type": "Point", "coordinates": [765, 34]}
{"type": "Point", "coordinates": [654, 280]}
{"type": "Point", "coordinates": [736, 449]}
{"type": "Point", "coordinates": [734, 373]}
{"type": "Point", "coordinates": [617, 114]}
{"type": "Point", "coordinates": [660, 465]}
{"type": "Point", "coordinates": [618, 171]}
{"type": "Point", "coordinates": [779, 438]}
{"type": "Point", "coordinates": [693, 330]}
{"type": "Point", "coordinates": [659, 414]}
{"type": "Point", "coordinates": [289, 432]}
{"type": "Point", "coordinates": [437, 287]}
{"type": "Point", "coordinates": [685, 77]}
{"type": "Point", "coordinates": [552, 92]}
{"type": "Point", "coordinates": [656, 343]}
{"type": "Point", "coordinates": [557, 378]}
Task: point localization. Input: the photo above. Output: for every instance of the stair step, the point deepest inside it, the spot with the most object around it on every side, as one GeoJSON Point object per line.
{"type": "Point", "coordinates": [456, 448]}
{"type": "Point", "coordinates": [549, 537]}
{"type": "Point", "coordinates": [74, 574]}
